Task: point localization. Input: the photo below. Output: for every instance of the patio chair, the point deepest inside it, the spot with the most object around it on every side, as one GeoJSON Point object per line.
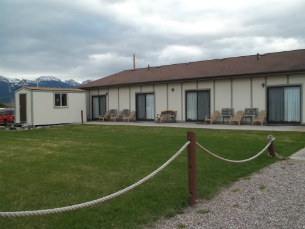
{"type": "Point", "coordinates": [260, 118]}
{"type": "Point", "coordinates": [237, 118]}
{"type": "Point", "coordinates": [105, 117]}
{"type": "Point", "coordinates": [125, 112]}
{"type": "Point", "coordinates": [130, 116]}
{"type": "Point", "coordinates": [116, 117]}
{"type": "Point", "coordinates": [211, 118]}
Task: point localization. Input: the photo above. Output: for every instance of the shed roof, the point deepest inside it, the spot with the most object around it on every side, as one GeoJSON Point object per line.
{"type": "Point", "coordinates": [51, 89]}
{"type": "Point", "coordinates": [270, 63]}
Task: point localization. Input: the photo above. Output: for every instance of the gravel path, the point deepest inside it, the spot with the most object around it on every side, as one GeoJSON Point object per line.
{"type": "Point", "coordinates": [271, 198]}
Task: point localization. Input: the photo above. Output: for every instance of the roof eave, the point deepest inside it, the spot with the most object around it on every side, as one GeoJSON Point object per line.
{"type": "Point", "coordinates": [196, 78]}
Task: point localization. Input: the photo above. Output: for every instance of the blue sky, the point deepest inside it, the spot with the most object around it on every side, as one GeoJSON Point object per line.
{"type": "Point", "coordinates": [92, 39]}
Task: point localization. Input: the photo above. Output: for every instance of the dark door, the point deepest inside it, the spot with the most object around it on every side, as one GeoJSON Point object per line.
{"type": "Point", "coordinates": [197, 105]}
{"type": "Point", "coordinates": [145, 106]}
{"type": "Point", "coordinates": [22, 101]}
{"type": "Point", "coordinates": [98, 106]}
{"type": "Point", "coordinates": [284, 105]}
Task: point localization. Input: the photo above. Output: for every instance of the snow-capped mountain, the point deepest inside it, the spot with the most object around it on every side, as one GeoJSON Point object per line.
{"type": "Point", "coordinates": [8, 85]}
{"type": "Point", "coordinates": [73, 83]}
{"type": "Point", "coordinates": [47, 78]}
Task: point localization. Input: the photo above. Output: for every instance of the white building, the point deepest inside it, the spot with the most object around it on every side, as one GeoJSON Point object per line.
{"type": "Point", "coordinates": [44, 106]}
{"type": "Point", "coordinates": [273, 82]}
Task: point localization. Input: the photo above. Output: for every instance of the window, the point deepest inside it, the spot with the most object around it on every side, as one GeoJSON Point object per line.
{"type": "Point", "coordinates": [197, 105]}
{"type": "Point", "coordinates": [145, 106]}
{"type": "Point", "coordinates": [98, 106]}
{"type": "Point", "coordinates": [284, 104]}
{"type": "Point", "coordinates": [61, 100]}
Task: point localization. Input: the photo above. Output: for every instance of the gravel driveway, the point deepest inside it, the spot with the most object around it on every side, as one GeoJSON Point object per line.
{"type": "Point", "coordinates": [271, 198]}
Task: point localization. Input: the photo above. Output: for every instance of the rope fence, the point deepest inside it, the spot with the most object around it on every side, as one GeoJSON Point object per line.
{"type": "Point", "coordinates": [192, 177]}
{"type": "Point", "coordinates": [237, 161]}
{"type": "Point", "coordinates": [86, 204]}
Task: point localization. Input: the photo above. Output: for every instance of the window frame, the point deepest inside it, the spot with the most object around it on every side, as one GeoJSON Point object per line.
{"type": "Point", "coordinates": [61, 100]}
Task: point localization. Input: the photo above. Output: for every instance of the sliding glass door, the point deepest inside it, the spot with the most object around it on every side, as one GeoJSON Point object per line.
{"type": "Point", "coordinates": [197, 105]}
{"type": "Point", "coordinates": [145, 105]}
{"type": "Point", "coordinates": [98, 106]}
{"type": "Point", "coordinates": [284, 105]}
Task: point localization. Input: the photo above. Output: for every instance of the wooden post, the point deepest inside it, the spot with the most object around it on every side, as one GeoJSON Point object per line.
{"type": "Point", "coordinates": [271, 148]}
{"type": "Point", "coordinates": [192, 170]}
{"type": "Point", "coordinates": [82, 117]}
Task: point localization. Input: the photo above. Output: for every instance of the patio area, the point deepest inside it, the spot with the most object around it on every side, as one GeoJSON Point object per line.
{"type": "Point", "coordinates": [204, 126]}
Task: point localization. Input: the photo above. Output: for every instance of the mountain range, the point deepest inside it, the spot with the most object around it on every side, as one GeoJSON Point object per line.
{"type": "Point", "coordinates": [8, 85]}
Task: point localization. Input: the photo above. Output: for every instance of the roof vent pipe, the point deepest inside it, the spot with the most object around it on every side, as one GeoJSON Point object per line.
{"type": "Point", "coordinates": [257, 56]}
{"type": "Point", "coordinates": [148, 68]}
{"type": "Point", "coordinates": [134, 62]}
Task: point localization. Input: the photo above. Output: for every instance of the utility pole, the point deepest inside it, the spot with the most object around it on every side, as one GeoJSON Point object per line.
{"type": "Point", "coordinates": [134, 61]}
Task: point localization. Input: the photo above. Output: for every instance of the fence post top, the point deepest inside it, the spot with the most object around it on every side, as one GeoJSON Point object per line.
{"type": "Point", "coordinates": [270, 137]}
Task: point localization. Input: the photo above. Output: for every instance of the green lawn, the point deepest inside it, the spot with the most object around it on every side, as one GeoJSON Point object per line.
{"type": "Point", "coordinates": [62, 166]}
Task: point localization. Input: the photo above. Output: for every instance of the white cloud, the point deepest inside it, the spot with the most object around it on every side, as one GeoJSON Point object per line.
{"type": "Point", "coordinates": [94, 38]}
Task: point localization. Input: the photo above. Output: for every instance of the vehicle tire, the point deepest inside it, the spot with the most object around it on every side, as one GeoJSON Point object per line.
{"type": "Point", "coordinates": [5, 122]}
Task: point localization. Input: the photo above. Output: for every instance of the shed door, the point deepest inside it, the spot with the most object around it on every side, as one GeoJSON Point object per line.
{"type": "Point", "coordinates": [22, 101]}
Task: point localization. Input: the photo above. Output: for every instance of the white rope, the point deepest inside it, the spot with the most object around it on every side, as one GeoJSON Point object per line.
{"type": "Point", "coordinates": [86, 204]}
{"type": "Point", "coordinates": [233, 161]}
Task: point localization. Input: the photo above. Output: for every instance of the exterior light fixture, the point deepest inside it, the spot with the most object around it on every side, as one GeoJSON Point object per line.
{"type": "Point", "coordinates": [173, 89]}
{"type": "Point", "coordinates": [263, 85]}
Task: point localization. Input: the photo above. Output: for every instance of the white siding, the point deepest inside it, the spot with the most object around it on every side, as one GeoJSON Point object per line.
{"type": "Point", "coordinates": [241, 94]}
{"type": "Point", "coordinates": [276, 80]}
{"type": "Point", "coordinates": [147, 88]}
{"type": "Point", "coordinates": [259, 93]}
{"type": "Point", "coordinates": [222, 94]}
{"type": "Point", "coordinates": [113, 98]}
{"type": "Point", "coordinates": [102, 91]}
{"type": "Point", "coordinates": [160, 98]}
{"type": "Point", "coordinates": [44, 111]}
{"type": "Point", "coordinates": [124, 98]}
{"type": "Point", "coordinates": [175, 99]}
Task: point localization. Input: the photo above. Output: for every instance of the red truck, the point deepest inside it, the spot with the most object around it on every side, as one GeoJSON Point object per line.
{"type": "Point", "coordinates": [7, 116]}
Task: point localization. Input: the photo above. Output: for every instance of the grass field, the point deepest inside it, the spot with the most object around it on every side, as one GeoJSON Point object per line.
{"type": "Point", "coordinates": [62, 166]}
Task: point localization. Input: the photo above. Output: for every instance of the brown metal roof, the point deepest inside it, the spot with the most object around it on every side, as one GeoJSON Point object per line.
{"type": "Point", "coordinates": [53, 89]}
{"type": "Point", "coordinates": [270, 63]}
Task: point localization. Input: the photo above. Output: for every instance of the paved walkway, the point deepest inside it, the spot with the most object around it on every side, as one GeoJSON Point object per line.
{"type": "Point", "coordinates": [207, 126]}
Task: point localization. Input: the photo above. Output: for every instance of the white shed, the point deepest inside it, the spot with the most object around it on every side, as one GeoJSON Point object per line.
{"type": "Point", "coordinates": [45, 106]}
